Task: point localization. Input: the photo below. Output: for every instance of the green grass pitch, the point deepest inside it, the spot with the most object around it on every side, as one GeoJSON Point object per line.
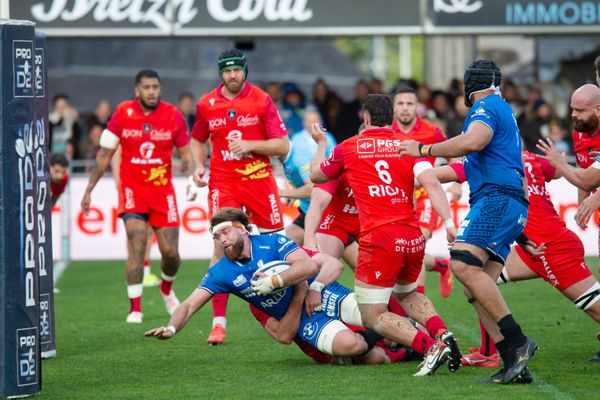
{"type": "Point", "coordinates": [102, 357]}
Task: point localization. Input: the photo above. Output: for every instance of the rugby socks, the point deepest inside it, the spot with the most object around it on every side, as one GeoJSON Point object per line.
{"type": "Point", "coordinates": [422, 342]}
{"type": "Point", "coordinates": [146, 267]}
{"type": "Point", "coordinates": [513, 336]}
{"type": "Point", "coordinates": [134, 292]}
{"type": "Point", "coordinates": [502, 347]}
{"type": "Point", "coordinates": [395, 307]}
{"type": "Point", "coordinates": [435, 326]}
{"type": "Point", "coordinates": [421, 289]}
{"type": "Point", "coordinates": [166, 283]}
{"type": "Point", "coordinates": [440, 265]}
{"type": "Point", "coordinates": [395, 356]}
{"type": "Point", "coordinates": [487, 348]}
{"type": "Point", "coordinates": [219, 305]}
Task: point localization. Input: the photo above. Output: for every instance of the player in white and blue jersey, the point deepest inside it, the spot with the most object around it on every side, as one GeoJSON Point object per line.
{"type": "Point", "coordinates": [491, 148]}
{"type": "Point", "coordinates": [238, 273]}
{"type": "Point", "coordinates": [297, 170]}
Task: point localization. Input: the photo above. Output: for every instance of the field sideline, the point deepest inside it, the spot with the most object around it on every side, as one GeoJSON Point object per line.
{"type": "Point", "coordinates": [102, 357]}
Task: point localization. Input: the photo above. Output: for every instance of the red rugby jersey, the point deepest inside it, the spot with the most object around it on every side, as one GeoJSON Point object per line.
{"type": "Point", "coordinates": [147, 141]}
{"type": "Point", "coordinates": [342, 201]}
{"type": "Point", "coordinates": [382, 182]}
{"type": "Point", "coordinates": [583, 143]}
{"type": "Point", "coordinates": [251, 115]}
{"type": "Point", "coordinates": [56, 189]}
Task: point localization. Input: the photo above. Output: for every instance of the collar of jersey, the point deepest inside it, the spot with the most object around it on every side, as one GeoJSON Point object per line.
{"type": "Point", "coordinates": [415, 128]}
{"type": "Point", "coordinates": [242, 94]}
{"type": "Point", "coordinates": [138, 106]}
{"type": "Point", "coordinates": [380, 130]}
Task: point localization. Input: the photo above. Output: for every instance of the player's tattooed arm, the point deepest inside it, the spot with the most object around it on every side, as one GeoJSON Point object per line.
{"type": "Point", "coordinates": [102, 162]}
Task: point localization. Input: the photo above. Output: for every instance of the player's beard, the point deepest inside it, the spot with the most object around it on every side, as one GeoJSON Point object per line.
{"type": "Point", "coordinates": [147, 105]}
{"type": "Point", "coordinates": [234, 86]}
{"type": "Point", "coordinates": [234, 251]}
{"type": "Point", "coordinates": [589, 126]}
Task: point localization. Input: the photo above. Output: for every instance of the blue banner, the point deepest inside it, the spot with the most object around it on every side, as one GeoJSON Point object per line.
{"type": "Point", "coordinates": [20, 368]}
{"type": "Point", "coordinates": [46, 301]}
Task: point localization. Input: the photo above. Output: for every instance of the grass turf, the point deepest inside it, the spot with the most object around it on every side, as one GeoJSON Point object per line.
{"type": "Point", "coordinates": [102, 357]}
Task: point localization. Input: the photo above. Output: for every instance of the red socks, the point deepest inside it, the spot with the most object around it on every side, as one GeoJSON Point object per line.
{"type": "Point", "coordinates": [488, 347]}
{"type": "Point", "coordinates": [395, 356]}
{"type": "Point", "coordinates": [421, 289]}
{"type": "Point", "coordinates": [422, 342]}
{"type": "Point", "coordinates": [434, 325]}
{"type": "Point", "coordinates": [136, 304]}
{"type": "Point", "coordinates": [440, 265]}
{"type": "Point", "coordinates": [165, 287]}
{"type": "Point", "coordinates": [395, 307]}
{"type": "Point", "coordinates": [219, 304]}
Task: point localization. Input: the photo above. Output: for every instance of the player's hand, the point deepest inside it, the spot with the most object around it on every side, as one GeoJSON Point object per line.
{"type": "Point", "coordinates": [409, 148]}
{"type": "Point", "coordinates": [85, 203]}
{"type": "Point", "coordinates": [191, 190]}
{"type": "Point", "coordinates": [555, 158]}
{"type": "Point", "coordinates": [262, 285]}
{"type": "Point", "coordinates": [533, 249]}
{"type": "Point", "coordinates": [161, 333]}
{"type": "Point", "coordinates": [451, 236]}
{"type": "Point", "coordinates": [318, 133]}
{"type": "Point", "coordinates": [240, 146]}
{"type": "Point", "coordinates": [198, 177]}
{"type": "Point", "coordinates": [310, 243]}
{"type": "Point", "coordinates": [455, 191]}
{"type": "Point", "coordinates": [586, 209]}
{"type": "Point", "coordinates": [312, 302]}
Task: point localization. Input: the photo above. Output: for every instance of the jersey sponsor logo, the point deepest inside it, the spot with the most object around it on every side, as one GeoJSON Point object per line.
{"type": "Point", "coordinates": [247, 120]}
{"type": "Point", "coordinates": [239, 281]}
{"type": "Point", "coordinates": [129, 112]}
{"type": "Point", "coordinates": [172, 209]}
{"type": "Point", "coordinates": [480, 112]}
{"type": "Point", "coordinates": [377, 274]}
{"type": "Point", "coordinates": [329, 303]}
{"type": "Point", "coordinates": [160, 134]}
{"type": "Point", "coordinates": [273, 299]}
{"type": "Point", "coordinates": [327, 221]}
{"type": "Point", "coordinates": [403, 245]}
{"type": "Point", "coordinates": [275, 215]}
{"type": "Point", "coordinates": [129, 202]}
{"type": "Point", "coordinates": [310, 330]}
{"type": "Point", "coordinates": [216, 123]}
{"type": "Point", "coordinates": [231, 114]}
{"type": "Point", "coordinates": [147, 149]}
{"type": "Point", "coordinates": [211, 101]}
{"type": "Point", "coordinates": [265, 247]}
{"type": "Point", "coordinates": [350, 209]}
{"type": "Point", "coordinates": [365, 146]}
{"type": "Point", "coordinates": [132, 133]}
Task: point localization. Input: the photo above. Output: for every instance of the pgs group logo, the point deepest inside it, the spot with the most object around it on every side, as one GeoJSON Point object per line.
{"type": "Point", "coordinates": [27, 356]}
{"type": "Point", "coordinates": [23, 68]}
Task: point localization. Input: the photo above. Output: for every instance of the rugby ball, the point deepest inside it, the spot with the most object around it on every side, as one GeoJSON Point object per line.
{"type": "Point", "coordinates": [272, 268]}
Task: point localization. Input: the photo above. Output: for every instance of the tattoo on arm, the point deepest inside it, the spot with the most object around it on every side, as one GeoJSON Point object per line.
{"type": "Point", "coordinates": [102, 162]}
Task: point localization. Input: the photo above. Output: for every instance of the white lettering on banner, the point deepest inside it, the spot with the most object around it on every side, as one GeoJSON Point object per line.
{"type": "Point", "coordinates": [42, 197]}
{"type": "Point", "coordinates": [156, 12]}
{"type": "Point", "coordinates": [456, 6]}
{"type": "Point", "coordinates": [249, 10]}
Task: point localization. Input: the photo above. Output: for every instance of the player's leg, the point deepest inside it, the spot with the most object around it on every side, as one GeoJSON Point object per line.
{"type": "Point", "coordinates": [150, 279]}
{"type": "Point", "coordinates": [350, 255]}
{"type": "Point", "coordinates": [295, 230]}
{"type": "Point", "coordinates": [136, 228]}
{"type": "Point", "coordinates": [518, 267]}
{"type": "Point", "coordinates": [168, 244]}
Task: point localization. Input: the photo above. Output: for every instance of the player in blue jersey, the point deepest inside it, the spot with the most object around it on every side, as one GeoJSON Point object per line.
{"type": "Point", "coordinates": [297, 170]}
{"type": "Point", "coordinates": [491, 146]}
{"type": "Point", "coordinates": [236, 273]}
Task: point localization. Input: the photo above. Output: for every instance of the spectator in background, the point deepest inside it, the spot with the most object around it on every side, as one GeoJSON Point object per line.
{"type": "Point", "coordinates": [274, 91]}
{"type": "Point", "coordinates": [560, 138]}
{"type": "Point", "coordinates": [88, 146]}
{"type": "Point", "coordinates": [455, 89]}
{"type": "Point", "coordinates": [456, 118]}
{"type": "Point", "coordinates": [441, 108]}
{"type": "Point", "coordinates": [376, 86]}
{"type": "Point", "coordinates": [58, 176]}
{"type": "Point", "coordinates": [185, 105]}
{"type": "Point", "coordinates": [294, 102]}
{"type": "Point", "coordinates": [536, 127]}
{"type": "Point", "coordinates": [351, 115]}
{"type": "Point", "coordinates": [320, 97]}
{"type": "Point", "coordinates": [510, 93]}
{"type": "Point", "coordinates": [64, 129]}
{"type": "Point", "coordinates": [528, 113]}
{"type": "Point", "coordinates": [333, 110]}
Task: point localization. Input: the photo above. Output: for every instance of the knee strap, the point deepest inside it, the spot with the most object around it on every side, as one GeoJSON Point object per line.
{"type": "Point", "coordinates": [589, 298]}
{"type": "Point", "coordinates": [371, 337]}
{"type": "Point", "coordinates": [465, 256]}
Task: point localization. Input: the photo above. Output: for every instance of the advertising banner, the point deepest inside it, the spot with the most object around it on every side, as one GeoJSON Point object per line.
{"type": "Point", "coordinates": [101, 235]}
{"type": "Point", "coordinates": [20, 368]}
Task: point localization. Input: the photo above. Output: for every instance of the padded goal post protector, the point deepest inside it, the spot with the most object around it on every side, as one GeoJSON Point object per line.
{"type": "Point", "coordinates": [20, 367]}
{"type": "Point", "coordinates": [42, 168]}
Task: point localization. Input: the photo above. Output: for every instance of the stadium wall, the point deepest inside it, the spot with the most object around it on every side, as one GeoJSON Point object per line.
{"type": "Point", "coordinates": [101, 235]}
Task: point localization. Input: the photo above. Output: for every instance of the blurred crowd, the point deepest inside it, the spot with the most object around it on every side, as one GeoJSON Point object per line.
{"type": "Point", "coordinates": [77, 134]}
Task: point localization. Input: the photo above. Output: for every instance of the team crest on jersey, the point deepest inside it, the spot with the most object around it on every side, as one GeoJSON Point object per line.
{"type": "Point", "coordinates": [147, 127]}
{"type": "Point", "coordinates": [231, 114]}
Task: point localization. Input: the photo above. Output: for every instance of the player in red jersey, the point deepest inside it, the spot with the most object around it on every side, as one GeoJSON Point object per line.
{"type": "Point", "coordinates": [331, 223]}
{"type": "Point", "coordinates": [410, 125]}
{"type": "Point", "coordinates": [391, 245]}
{"type": "Point", "coordinates": [59, 178]}
{"type": "Point", "coordinates": [563, 263]}
{"type": "Point", "coordinates": [244, 128]}
{"type": "Point", "coordinates": [285, 329]}
{"type": "Point", "coordinates": [147, 128]}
